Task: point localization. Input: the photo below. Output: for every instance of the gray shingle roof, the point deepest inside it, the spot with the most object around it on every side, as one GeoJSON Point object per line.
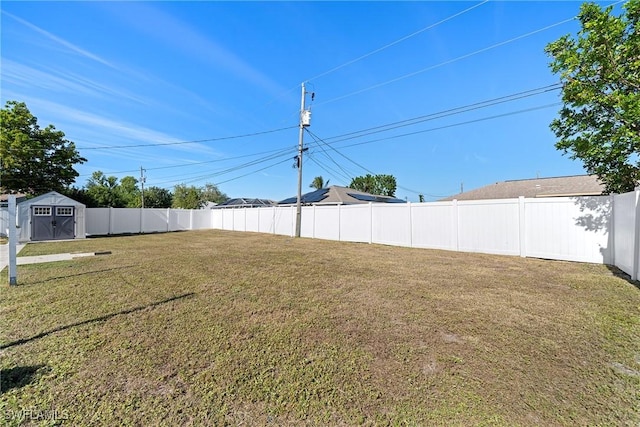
{"type": "Point", "coordinates": [336, 195]}
{"type": "Point", "coordinates": [576, 185]}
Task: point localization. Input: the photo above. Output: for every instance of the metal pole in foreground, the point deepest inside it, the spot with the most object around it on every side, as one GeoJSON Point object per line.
{"type": "Point", "coordinates": [13, 274]}
{"type": "Point", "coordinates": [300, 151]}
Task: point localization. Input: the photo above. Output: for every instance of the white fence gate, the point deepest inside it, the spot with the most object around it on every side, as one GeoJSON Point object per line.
{"type": "Point", "coordinates": [602, 229]}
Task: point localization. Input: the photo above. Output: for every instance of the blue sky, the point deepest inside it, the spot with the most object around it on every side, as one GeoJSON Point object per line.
{"type": "Point", "coordinates": [130, 82]}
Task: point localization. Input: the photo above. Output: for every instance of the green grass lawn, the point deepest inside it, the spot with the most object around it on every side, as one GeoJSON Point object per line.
{"type": "Point", "coordinates": [214, 327]}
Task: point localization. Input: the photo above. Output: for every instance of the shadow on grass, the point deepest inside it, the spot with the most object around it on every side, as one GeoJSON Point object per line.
{"type": "Point", "coordinates": [18, 377]}
{"type": "Point", "coordinates": [97, 319]}
{"type": "Point", "coordinates": [624, 276]}
{"type": "Point", "coordinates": [78, 274]}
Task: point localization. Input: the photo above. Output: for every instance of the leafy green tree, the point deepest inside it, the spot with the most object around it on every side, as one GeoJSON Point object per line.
{"type": "Point", "coordinates": [129, 192]}
{"type": "Point", "coordinates": [104, 191]}
{"type": "Point", "coordinates": [383, 185]}
{"type": "Point", "coordinates": [187, 197]}
{"type": "Point", "coordinates": [211, 193]}
{"type": "Point", "coordinates": [34, 160]}
{"type": "Point", "coordinates": [600, 72]}
{"type": "Point", "coordinates": [80, 195]}
{"type": "Point", "coordinates": [156, 197]}
{"type": "Point", "coordinates": [318, 183]}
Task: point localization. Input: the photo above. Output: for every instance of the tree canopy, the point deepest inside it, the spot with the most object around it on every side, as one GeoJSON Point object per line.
{"type": "Point", "coordinates": [156, 197]}
{"type": "Point", "coordinates": [192, 197]}
{"type": "Point", "coordinates": [319, 182]}
{"type": "Point", "coordinates": [34, 160]}
{"type": "Point", "coordinates": [600, 72]}
{"type": "Point", "coordinates": [383, 185]}
{"type": "Point", "coordinates": [186, 197]}
{"type": "Point", "coordinates": [211, 193]}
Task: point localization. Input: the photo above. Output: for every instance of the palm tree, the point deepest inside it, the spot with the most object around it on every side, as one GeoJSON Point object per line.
{"type": "Point", "coordinates": [318, 183]}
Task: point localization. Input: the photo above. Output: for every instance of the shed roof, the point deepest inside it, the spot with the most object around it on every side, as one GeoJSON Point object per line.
{"type": "Point", "coordinates": [52, 198]}
{"type": "Point", "coordinates": [560, 186]}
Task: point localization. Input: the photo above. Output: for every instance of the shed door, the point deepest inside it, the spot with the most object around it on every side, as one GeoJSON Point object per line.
{"type": "Point", "coordinates": [52, 222]}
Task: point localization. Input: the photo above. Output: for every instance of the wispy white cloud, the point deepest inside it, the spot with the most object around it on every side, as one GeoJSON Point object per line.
{"type": "Point", "coordinates": [181, 36]}
{"type": "Point", "coordinates": [70, 46]}
{"type": "Point", "coordinates": [62, 81]}
{"type": "Point", "coordinates": [112, 130]}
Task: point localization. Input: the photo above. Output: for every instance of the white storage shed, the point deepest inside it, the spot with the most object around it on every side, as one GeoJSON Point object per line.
{"type": "Point", "coordinates": [51, 216]}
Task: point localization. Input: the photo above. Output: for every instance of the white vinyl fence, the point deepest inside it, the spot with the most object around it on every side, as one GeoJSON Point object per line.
{"type": "Point", "coordinates": [602, 229]}
{"type": "Point", "coordinates": [4, 221]}
{"type": "Point", "coordinates": [104, 221]}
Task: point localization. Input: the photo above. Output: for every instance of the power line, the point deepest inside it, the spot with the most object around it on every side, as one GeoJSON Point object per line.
{"type": "Point", "coordinates": [327, 154]}
{"type": "Point", "coordinates": [251, 173]}
{"type": "Point", "coordinates": [235, 168]}
{"type": "Point", "coordinates": [109, 147]}
{"type": "Point", "coordinates": [333, 173]}
{"type": "Point", "coordinates": [446, 62]}
{"type": "Point", "coordinates": [182, 165]}
{"type": "Point", "coordinates": [446, 113]}
{"type": "Point", "coordinates": [373, 52]}
{"type": "Point", "coordinates": [275, 154]}
{"type": "Point", "coordinates": [368, 170]}
{"type": "Point", "coordinates": [361, 133]}
{"type": "Point", "coordinates": [449, 126]}
{"type": "Point", "coordinates": [415, 33]}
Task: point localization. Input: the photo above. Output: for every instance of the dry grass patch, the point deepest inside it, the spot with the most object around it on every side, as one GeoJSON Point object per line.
{"type": "Point", "coordinates": [217, 327]}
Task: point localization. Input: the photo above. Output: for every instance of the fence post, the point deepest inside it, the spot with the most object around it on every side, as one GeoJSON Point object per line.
{"type": "Point", "coordinates": [523, 227]}
{"type": "Point", "coordinates": [211, 219]}
{"type": "Point", "coordinates": [313, 229]}
{"type": "Point", "coordinates": [410, 225]}
{"type": "Point", "coordinates": [110, 220]}
{"type": "Point", "coordinates": [636, 239]}
{"type": "Point", "coordinates": [339, 222]}
{"type": "Point", "coordinates": [611, 246]}
{"type": "Point", "coordinates": [456, 240]}
{"type": "Point", "coordinates": [141, 221]}
{"type": "Point", "coordinates": [370, 222]}
{"type": "Point", "coordinates": [13, 237]}
{"type": "Point", "coordinates": [293, 220]}
{"type": "Point", "coordinates": [168, 219]}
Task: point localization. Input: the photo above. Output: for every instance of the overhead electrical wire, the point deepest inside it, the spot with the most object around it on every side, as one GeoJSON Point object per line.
{"type": "Point", "coordinates": [365, 168]}
{"type": "Point", "coordinates": [158, 144]}
{"type": "Point", "coordinates": [182, 165]}
{"type": "Point", "coordinates": [445, 113]}
{"type": "Point", "coordinates": [203, 177]}
{"type": "Point", "coordinates": [380, 49]}
{"type": "Point", "coordinates": [497, 116]}
{"type": "Point", "coordinates": [235, 168]}
{"type": "Point", "coordinates": [333, 173]}
{"type": "Point", "coordinates": [252, 172]}
{"type": "Point", "coordinates": [275, 154]}
{"type": "Point", "coordinates": [362, 133]}
{"type": "Point", "coordinates": [327, 154]}
{"type": "Point", "coordinates": [415, 33]}
{"type": "Point", "coordinates": [450, 61]}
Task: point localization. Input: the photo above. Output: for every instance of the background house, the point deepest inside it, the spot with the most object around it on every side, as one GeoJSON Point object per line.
{"type": "Point", "coordinates": [241, 202]}
{"type": "Point", "coordinates": [336, 195]}
{"type": "Point", "coordinates": [561, 186]}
